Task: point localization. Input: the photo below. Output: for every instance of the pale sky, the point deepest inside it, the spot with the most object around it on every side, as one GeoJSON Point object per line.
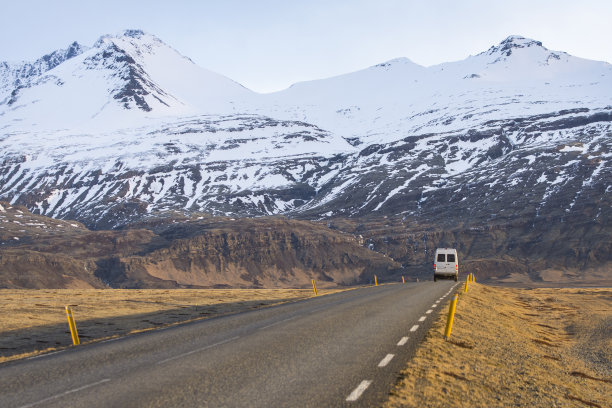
{"type": "Point", "coordinates": [267, 45]}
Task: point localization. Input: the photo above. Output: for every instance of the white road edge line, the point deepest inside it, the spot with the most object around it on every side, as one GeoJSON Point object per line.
{"type": "Point", "coordinates": [386, 360]}
{"type": "Point", "coordinates": [198, 350]}
{"type": "Point", "coordinates": [414, 328]}
{"type": "Point", "coordinates": [434, 305]}
{"type": "Point", "coordinates": [66, 393]}
{"type": "Point", "coordinates": [403, 341]}
{"type": "Point", "coordinates": [429, 311]}
{"type": "Point", "coordinates": [422, 318]}
{"type": "Point", "coordinates": [354, 396]}
{"type": "Point", "coordinates": [45, 354]}
{"type": "Point", "coordinates": [109, 340]}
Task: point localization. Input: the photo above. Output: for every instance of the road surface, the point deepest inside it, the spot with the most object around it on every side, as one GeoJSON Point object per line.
{"type": "Point", "coordinates": [344, 349]}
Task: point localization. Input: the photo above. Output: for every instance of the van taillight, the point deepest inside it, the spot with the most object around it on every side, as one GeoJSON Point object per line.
{"type": "Point", "coordinates": [435, 266]}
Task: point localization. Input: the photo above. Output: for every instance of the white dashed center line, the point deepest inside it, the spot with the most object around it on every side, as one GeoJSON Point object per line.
{"type": "Point", "coordinates": [422, 318]}
{"type": "Point", "coordinates": [354, 396]}
{"type": "Point", "coordinates": [429, 311]}
{"type": "Point", "coordinates": [402, 341]}
{"type": "Point", "coordinates": [414, 328]}
{"type": "Point", "coordinates": [434, 305]}
{"type": "Point", "coordinates": [198, 350]}
{"type": "Point", "coordinates": [386, 360]}
{"type": "Point", "coordinates": [279, 322]}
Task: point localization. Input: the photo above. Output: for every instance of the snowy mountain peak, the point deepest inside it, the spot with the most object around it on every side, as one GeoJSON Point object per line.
{"type": "Point", "coordinates": [134, 33]}
{"type": "Point", "coordinates": [518, 41]}
{"type": "Point", "coordinates": [396, 62]}
{"type": "Point", "coordinates": [129, 77]}
{"type": "Point", "coordinates": [19, 72]}
{"type": "Point", "coordinates": [523, 60]}
{"type": "Point", "coordinates": [128, 35]}
{"type": "Point", "coordinates": [513, 43]}
{"type": "Point", "coordinates": [15, 76]}
{"type": "Point", "coordinates": [57, 57]}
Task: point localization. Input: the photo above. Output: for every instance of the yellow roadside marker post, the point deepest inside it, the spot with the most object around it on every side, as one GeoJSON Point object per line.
{"type": "Point", "coordinates": [466, 285]}
{"type": "Point", "coordinates": [375, 281]}
{"type": "Point", "coordinates": [72, 325]}
{"type": "Point", "coordinates": [314, 287]}
{"type": "Point", "coordinates": [403, 280]}
{"type": "Point", "coordinates": [451, 316]}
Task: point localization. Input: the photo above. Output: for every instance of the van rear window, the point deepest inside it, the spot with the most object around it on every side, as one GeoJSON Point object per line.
{"type": "Point", "coordinates": [441, 257]}
{"type": "Point", "coordinates": [450, 258]}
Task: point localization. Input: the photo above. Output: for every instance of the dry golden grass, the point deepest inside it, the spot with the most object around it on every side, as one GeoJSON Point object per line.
{"type": "Point", "coordinates": [515, 348]}
{"type": "Point", "coordinates": [34, 321]}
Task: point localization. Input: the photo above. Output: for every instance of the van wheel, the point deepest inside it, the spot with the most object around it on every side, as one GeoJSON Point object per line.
{"type": "Point", "coordinates": [456, 278]}
{"type": "Point", "coordinates": [435, 278]}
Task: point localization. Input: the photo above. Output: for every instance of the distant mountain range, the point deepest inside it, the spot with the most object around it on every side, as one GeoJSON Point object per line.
{"type": "Point", "coordinates": [515, 137]}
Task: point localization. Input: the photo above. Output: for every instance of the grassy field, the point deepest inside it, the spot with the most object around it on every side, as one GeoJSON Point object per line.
{"type": "Point", "coordinates": [515, 348]}
{"type": "Point", "coordinates": [34, 321]}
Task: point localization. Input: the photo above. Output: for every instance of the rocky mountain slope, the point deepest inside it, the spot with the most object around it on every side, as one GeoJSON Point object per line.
{"type": "Point", "coordinates": [128, 129]}
{"type": "Point", "coordinates": [177, 251]}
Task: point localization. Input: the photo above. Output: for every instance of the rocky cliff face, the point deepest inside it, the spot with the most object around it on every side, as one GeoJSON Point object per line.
{"type": "Point", "coordinates": [547, 251]}
{"type": "Point", "coordinates": [177, 251]}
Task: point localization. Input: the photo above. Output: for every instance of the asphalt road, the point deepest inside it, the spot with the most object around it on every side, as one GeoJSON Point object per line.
{"type": "Point", "coordinates": [344, 349]}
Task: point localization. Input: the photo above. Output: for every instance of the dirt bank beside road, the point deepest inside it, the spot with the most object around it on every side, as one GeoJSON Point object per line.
{"type": "Point", "coordinates": [515, 347]}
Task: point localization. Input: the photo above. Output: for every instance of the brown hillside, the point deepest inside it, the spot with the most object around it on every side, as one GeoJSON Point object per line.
{"type": "Point", "coordinates": [177, 251]}
{"type": "Point", "coordinates": [518, 252]}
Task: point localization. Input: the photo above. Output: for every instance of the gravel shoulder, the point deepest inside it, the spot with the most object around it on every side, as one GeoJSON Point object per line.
{"type": "Point", "coordinates": [515, 347]}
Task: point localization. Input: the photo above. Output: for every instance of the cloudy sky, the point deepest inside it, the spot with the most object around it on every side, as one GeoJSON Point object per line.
{"type": "Point", "coordinates": [267, 45]}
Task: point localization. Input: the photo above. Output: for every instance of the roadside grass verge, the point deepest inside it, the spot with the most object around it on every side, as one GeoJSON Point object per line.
{"type": "Point", "coordinates": [33, 321]}
{"type": "Point", "coordinates": [515, 347]}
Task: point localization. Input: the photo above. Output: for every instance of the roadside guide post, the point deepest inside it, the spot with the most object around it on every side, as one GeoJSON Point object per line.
{"type": "Point", "coordinates": [72, 325]}
{"type": "Point", "coordinates": [451, 316]}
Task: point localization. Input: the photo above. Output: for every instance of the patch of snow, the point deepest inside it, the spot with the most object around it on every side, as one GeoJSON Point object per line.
{"type": "Point", "coordinates": [568, 148]}
{"type": "Point", "coordinates": [531, 158]}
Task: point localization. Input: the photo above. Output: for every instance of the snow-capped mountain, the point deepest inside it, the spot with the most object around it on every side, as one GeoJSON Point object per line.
{"type": "Point", "coordinates": [397, 99]}
{"type": "Point", "coordinates": [121, 81]}
{"type": "Point", "coordinates": [129, 127]}
{"type": "Point", "coordinates": [16, 76]}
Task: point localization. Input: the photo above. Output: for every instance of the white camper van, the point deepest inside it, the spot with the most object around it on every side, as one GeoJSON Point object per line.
{"type": "Point", "coordinates": [446, 264]}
